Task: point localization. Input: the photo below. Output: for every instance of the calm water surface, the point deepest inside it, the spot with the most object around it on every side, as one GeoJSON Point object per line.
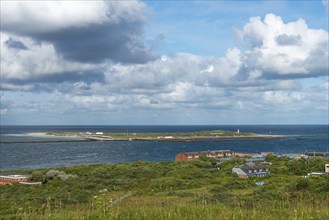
{"type": "Point", "coordinates": [45, 155]}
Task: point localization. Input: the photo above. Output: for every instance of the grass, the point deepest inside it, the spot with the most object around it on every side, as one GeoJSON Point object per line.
{"type": "Point", "coordinates": [168, 190]}
{"type": "Point", "coordinates": [159, 207]}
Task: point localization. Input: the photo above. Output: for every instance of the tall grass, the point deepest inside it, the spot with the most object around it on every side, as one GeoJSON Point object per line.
{"type": "Point", "coordinates": [140, 208]}
{"type": "Point", "coordinates": [167, 190]}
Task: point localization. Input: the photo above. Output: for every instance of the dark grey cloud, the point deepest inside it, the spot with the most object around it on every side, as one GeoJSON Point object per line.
{"type": "Point", "coordinates": [117, 35]}
{"type": "Point", "coordinates": [288, 40]}
{"type": "Point", "coordinates": [119, 42]}
{"type": "Point", "coordinates": [15, 44]}
{"type": "Point", "coordinates": [154, 102]}
{"type": "Point", "coordinates": [53, 81]}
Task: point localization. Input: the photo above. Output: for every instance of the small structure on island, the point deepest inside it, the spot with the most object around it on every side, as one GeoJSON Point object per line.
{"type": "Point", "coordinates": [99, 133]}
{"type": "Point", "coordinates": [251, 169]}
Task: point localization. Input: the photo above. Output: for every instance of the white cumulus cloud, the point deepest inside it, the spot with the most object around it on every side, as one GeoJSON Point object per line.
{"type": "Point", "coordinates": [279, 48]}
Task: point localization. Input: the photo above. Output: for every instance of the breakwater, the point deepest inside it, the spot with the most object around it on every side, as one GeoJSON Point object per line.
{"type": "Point", "coordinates": [317, 154]}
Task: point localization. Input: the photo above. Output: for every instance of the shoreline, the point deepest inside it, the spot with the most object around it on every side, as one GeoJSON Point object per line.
{"type": "Point", "coordinates": [45, 134]}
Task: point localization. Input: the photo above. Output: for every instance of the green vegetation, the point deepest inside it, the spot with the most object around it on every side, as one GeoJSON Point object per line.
{"type": "Point", "coordinates": [170, 190]}
{"type": "Point", "coordinates": [178, 135]}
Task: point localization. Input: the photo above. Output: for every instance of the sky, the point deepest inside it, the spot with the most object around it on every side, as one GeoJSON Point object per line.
{"type": "Point", "coordinates": [164, 62]}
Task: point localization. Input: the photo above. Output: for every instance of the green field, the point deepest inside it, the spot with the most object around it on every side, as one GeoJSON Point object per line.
{"type": "Point", "coordinates": [170, 190]}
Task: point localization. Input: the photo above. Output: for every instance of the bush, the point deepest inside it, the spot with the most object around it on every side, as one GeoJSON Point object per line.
{"type": "Point", "coordinates": [302, 184]}
{"type": "Point", "coordinates": [218, 189]}
{"type": "Point", "coordinates": [52, 174]}
{"type": "Point", "coordinates": [37, 176]}
{"type": "Point", "coordinates": [238, 184]}
{"type": "Point", "coordinates": [168, 183]}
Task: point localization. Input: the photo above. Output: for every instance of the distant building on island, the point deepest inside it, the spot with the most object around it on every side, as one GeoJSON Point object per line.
{"type": "Point", "coordinates": [251, 169]}
{"type": "Point", "coordinates": [165, 137]}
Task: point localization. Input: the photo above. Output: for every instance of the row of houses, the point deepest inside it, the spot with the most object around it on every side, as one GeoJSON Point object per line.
{"type": "Point", "coordinates": [255, 165]}
{"type": "Point", "coordinates": [212, 154]}
{"type": "Point", "coordinates": [228, 153]}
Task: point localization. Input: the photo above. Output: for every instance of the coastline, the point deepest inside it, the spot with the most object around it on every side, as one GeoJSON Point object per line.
{"type": "Point", "coordinates": [45, 134]}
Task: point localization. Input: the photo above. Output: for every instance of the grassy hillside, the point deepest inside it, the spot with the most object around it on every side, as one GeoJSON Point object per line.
{"type": "Point", "coordinates": [170, 190]}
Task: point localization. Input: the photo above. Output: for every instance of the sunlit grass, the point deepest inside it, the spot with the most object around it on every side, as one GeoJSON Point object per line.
{"type": "Point", "coordinates": [167, 190]}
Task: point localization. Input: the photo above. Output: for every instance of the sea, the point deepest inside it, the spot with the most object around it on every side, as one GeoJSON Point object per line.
{"type": "Point", "coordinates": [19, 151]}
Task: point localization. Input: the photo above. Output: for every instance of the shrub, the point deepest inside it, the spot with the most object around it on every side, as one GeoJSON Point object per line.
{"type": "Point", "coordinates": [52, 174]}
{"type": "Point", "coordinates": [168, 183]}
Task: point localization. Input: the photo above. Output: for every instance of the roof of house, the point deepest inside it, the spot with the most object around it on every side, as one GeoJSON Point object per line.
{"type": "Point", "coordinates": [251, 166]}
{"type": "Point", "coordinates": [207, 152]}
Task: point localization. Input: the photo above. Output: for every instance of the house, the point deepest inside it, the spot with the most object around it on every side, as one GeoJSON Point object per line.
{"type": "Point", "coordinates": [239, 154]}
{"type": "Point", "coordinates": [295, 156]}
{"type": "Point", "coordinates": [196, 155]}
{"type": "Point", "coordinates": [256, 158]}
{"type": "Point", "coordinates": [251, 169]}
{"type": "Point", "coordinates": [10, 179]}
{"type": "Point", "coordinates": [267, 153]}
{"type": "Point", "coordinates": [99, 132]}
{"type": "Point", "coordinates": [216, 154]}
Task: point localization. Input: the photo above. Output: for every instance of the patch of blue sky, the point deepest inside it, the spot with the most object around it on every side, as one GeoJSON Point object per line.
{"type": "Point", "coordinates": [206, 28]}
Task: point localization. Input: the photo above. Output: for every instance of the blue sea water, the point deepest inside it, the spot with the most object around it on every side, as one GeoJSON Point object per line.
{"type": "Point", "coordinates": [29, 155]}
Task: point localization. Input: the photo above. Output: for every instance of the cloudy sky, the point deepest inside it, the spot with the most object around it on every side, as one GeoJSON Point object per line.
{"type": "Point", "coordinates": [164, 62]}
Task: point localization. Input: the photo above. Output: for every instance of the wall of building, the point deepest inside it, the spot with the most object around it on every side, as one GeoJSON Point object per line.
{"type": "Point", "coordinates": [4, 180]}
{"type": "Point", "coordinates": [180, 157]}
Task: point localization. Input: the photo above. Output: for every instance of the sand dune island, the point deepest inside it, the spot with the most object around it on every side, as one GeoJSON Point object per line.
{"type": "Point", "coordinates": [199, 136]}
